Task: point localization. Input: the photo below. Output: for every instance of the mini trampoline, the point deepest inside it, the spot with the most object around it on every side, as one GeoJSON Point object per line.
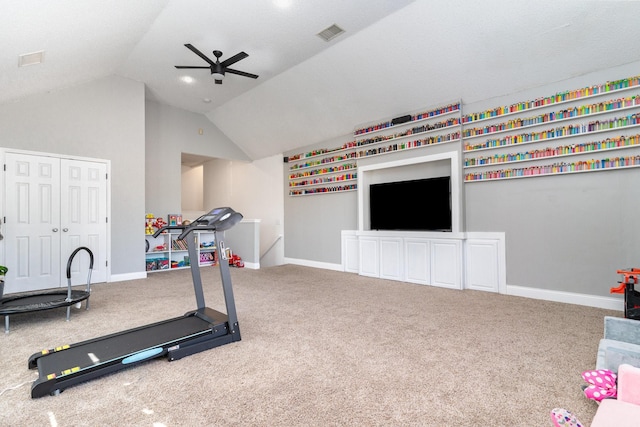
{"type": "Point", "coordinates": [46, 300]}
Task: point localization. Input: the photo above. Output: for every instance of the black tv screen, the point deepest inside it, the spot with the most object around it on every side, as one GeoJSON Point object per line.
{"type": "Point", "coordinates": [416, 205]}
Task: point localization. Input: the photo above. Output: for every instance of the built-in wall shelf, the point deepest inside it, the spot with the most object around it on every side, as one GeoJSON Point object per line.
{"type": "Point", "coordinates": [453, 108]}
{"type": "Point", "coordinates": [598, 121]}
{"type": "Point", "coordinates": [330, 170]}
{"type": "Point", "coordinates": [606, 89]}
{"type": "Point", "coordinates": [323, 190]}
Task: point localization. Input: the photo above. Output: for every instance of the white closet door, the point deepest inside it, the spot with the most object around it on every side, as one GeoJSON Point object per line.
{"type": "Point", "coordinates": [83, 209]}
{"type": "Point", "coordinates": [32, 228]}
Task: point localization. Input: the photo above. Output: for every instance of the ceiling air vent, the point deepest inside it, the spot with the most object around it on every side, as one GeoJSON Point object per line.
{"type": "Point", "coordinates": [330, 32]}
{"type": "Point", "coordinates": [30, 58]}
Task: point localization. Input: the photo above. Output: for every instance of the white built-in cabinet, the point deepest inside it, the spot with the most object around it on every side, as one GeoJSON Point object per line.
{"type": "Point", "coordinates": [449, 260]}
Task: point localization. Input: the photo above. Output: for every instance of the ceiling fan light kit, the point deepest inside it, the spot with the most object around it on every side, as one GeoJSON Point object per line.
{"type": "Point", "coordinates": [218, 69]}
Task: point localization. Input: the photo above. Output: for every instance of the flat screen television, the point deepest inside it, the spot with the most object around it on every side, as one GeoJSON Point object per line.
{"type": "Point", "coordinates": [415, 205]}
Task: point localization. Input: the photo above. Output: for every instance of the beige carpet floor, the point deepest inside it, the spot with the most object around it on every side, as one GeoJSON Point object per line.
{"type": "Point", "coordinates": [318, 348]}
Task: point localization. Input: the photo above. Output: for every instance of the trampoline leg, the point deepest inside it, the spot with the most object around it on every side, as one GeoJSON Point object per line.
{"type": "Point", "coordinates": [68, 312]}
{"type": "Point", "coordinates": [6, 324]}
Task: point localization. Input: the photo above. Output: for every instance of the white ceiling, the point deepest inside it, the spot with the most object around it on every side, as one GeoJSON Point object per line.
{"type": "Point", "coordinates": [395, 56]}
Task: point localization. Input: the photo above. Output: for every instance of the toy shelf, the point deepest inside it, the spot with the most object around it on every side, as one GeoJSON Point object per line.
{"type": "Point", "coordinates": [556, 141]}
{"type": "Point", "coordinates": [166, 252]}
{"type": "Point", "coordinates": [307, 171]}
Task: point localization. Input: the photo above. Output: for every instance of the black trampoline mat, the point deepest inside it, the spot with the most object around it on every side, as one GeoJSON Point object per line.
{"type": "Point", "coordinates": [41, 301]}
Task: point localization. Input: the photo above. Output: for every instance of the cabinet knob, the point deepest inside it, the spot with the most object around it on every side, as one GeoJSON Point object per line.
{"type": "Point", "coordinates": [65, 229]}
{"type": "Point", "coordinates": [55, 230]}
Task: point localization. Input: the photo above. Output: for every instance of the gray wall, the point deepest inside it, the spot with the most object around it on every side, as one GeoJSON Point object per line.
{"type": "Point", "coordinates": [313, 223]}
{"type": "Point", "coordinates": [171, 132]}
{"type": "Point", "coordinates": [109, 119]}
{"type": "Point", "coordinates": [103, 119]}
{"type": "Point", "coordinates": [566, 233]}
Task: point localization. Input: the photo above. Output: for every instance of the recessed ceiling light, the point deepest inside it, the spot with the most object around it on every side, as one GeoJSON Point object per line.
{"type": "Point", "coordinates": [206, 100]}
{"type": "Point", "coordinates": [283, 3]}
{"type": "Point", "coordinates": [187, 79]}
{"type": "Point", "coordinates": [30, 58]}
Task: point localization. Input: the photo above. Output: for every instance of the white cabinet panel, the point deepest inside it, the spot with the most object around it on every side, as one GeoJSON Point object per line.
{"type": "Point", "coordinates": [446, 257]}
{"type": "Point", "coordinates": [391, 258]}
{"type": "Point", "coordinates": [482, 266]}
{"type": "Point", "coordinates": [417, 254]}
{"type": "Point", "coordinates": [350, 253]}
{"type": "Point", "coordinates": [369, 257]}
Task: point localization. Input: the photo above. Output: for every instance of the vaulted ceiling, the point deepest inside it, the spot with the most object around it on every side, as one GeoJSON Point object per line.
{"type": "Point", "coordinates": [395, 56]}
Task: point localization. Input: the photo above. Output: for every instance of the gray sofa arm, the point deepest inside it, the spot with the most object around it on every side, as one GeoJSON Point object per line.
{"type": "Point", "coordinates": [622, 329]}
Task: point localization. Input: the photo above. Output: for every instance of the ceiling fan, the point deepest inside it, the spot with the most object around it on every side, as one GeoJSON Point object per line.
{"type": "Point", "coordinates": [218, 69]}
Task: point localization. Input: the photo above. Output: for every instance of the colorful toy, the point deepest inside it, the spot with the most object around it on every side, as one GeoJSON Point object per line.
{"type": "Point", "coordinates": [631, 296]}
{"type": "Point", "coordinates": [159, 223]}
{"type": "Point", "coordinates": [236, 261]}
{"type": "Point", "coordinates": [148, 224]}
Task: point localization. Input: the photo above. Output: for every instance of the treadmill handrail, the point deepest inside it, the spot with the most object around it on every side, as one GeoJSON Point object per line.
{"type": "Point", "coordinates": [186, 229]}
{"type": "Point", "coordinates": [192, 227]}
{"type": "Point", "coordinates": [168, 227]}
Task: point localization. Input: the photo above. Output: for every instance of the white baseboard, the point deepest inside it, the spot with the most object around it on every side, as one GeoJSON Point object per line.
{"type": "Point", "coordinates": [143, 274]}
{"type": "Point", "coordinates": [609, 303]}
{"type": "Point", "coordinates": [128, 276]}
{"type": "Point", "coordinates": [252, 265]}
{"type": "Point", "coordinates": [316, 264]}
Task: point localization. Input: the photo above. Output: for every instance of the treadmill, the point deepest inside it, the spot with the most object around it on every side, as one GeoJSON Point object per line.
{"type": "Point", "coordinates": [195, 331]}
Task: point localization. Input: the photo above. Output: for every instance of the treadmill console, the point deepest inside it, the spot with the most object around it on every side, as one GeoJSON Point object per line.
{"type": "Point", "coordinates": [219, 219]}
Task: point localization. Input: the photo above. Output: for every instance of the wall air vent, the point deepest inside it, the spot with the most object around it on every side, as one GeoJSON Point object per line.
{"type": "Point", "coordinates": [330, 33]}
{"type": "Point", "coordinates": [30, 58]}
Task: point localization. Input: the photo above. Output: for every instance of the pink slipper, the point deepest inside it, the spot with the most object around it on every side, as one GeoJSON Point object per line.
{"type": "Point", "coordinates": [598, 393]}
{"type": "Point", "coordinates": [602, 378]}
{"type": "Point", "coordinates": [563, 418]}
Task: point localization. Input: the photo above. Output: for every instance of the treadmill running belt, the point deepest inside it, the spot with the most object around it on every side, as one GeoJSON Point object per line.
{"type": "Point", "coordinates": [113, 348]}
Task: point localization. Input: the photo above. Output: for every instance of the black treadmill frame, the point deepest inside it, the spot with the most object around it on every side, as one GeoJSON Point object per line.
{"type": "Point", "coordinates": [59, 368]}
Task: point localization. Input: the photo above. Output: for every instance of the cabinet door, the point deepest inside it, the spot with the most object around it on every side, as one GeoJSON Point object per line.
{"type": "Point", "coordinates": [32, 227]}
{"type": "Point", "coordinates": [446, 264]}
{"type": "Point", "coordinates": [417, 261]}
{"type": "Point", "coordinates": [369, 257]}
{"type": "Point", "coordinates": [350, 252]}
{"type": "Point", "coordinates": [482, 264]}
{"type": "Point", "coordinates": [391, 258]}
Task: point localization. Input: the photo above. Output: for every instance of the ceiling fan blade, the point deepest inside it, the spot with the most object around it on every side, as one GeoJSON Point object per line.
{"type": "Point", "coordinates": [188, 66]}
{"type": "Point", "coordinates": [241, 73]}
{"type": "Point", "coordinates": [235, 58]}
{"type": "Point", "coordinates": [218, 82]}
{"type": "Point", "coordinates": [200, 54]}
